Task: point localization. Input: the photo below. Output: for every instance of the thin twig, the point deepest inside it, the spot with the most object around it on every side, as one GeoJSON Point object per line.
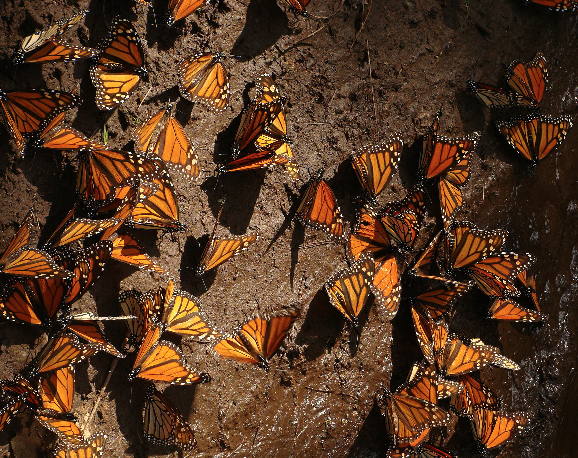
{"type": "Point", "coordinates": [303, 39]}
{"type": "Point", "coordinates": [362, 25]}
{"type": "Point", "coordinates": [371, 82]}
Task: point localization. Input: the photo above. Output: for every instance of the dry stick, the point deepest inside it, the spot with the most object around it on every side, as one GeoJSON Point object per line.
{"type": "Point", "coordinates": [371, 81]}
{"type": "Point", "coordinates": [362, 25]}
{"type": "Point", "coordinates": [303, 39]}
{"type": "Point", "coordinates": [88, 418]}
{"type": "Point", "coordinates": [144, 98]}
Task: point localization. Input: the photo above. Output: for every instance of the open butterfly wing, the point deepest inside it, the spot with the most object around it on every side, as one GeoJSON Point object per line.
{"type": "Point", "coordinates": [529, 79]}
{"type": "Point", "coordinates": [183, 316]}
{"type": "Point", "coordinates": [374, 165]}
{"type": "Point", "coordinates": [319, 209]}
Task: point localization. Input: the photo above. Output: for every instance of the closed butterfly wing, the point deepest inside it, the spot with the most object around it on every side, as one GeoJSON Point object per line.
{"type": "Point", "coordinates": [386, 287]}
{"type": "Point", "coordinates": [467, 245]}
{"type": "Point", "coordinates": [254, 120]}
{"type": "Point", "coordinates": [180, 9]}
{"type": "Point", "coordinates": [298, 6]}
{"type": "Point", "coordinates": [164, 424]}
{"type": "Point", "coordinates": [402, 219]}
{"type": "Point", "coordinates": [558, 5]}
{"type": "Point", "coordinates": [65, 138]}
{"type": "Point", "coordinates": [349, 289]}
{"type": "Point", "coordinates": [92, 332]}
{"type": "Point", "coordinates": [31, 113]}
{"type": "Point", "coordinates": [221, 249]}
{"type": "Point", "coordinates": [407, 417]}
{"type": "Point", "coordinates": [458, 358]}
{"type": "Point", "coordinates": [159, 210]}
{"type": "Point", "coordinates": [535, 136]}
{"type": "Point", "coordinates": [473, 396]}
{"type": "Point", "coordinates": [267, 89]}
{"type": "Point", "coordinates": [126, 249]}
{"type": "Point", "coordinates": [86, 266]}
{"type": "Point", "coordinates": [203, 78]}
{"type": "Point", "coordinates": [258, 339]}
{"type": "Point", "coordinates": [93, 448]}
{"type": "Point", "coordinates": [424, 330]}
{"type": "Point", "coordinates": [495, 274]}
{"type": "Point", "coordinates": [20, 388]}
{"type": "Point", "coordinates": [10, 409]}
{"type": "Point", "coordinates": [529, 79]}
{"type": "Point", "coordinates": [422, 383]}
{"type": "Point", "coordinates": [369, 236]}
{"type": "Point", "coordinates": [426, 264]}
{"type": "Point", "coordinates": [495, 97]}
{"type": "Point", "coordinates": [493, 427]}
{"type": "Point", "coordinates": [62, 351]}
{"type": "Point", "coordinates": [164, 362]}
{"type": "Point", "coordinates": [319, 209]}
{"type": "Point", "coordinates": [132, 304]}
{"type": "Point", "coordinates": [374, 165]}
{"type": "Point", "coordinates": [440, 298]}
{"type": "Point", "coordinates": [182, 316]}
{"type": "Point", "coordinates": [57, 390]}
{"type": "Point", "coordinates": [82, 228]}
{"type": "Point", "coordinates": [45, 46]}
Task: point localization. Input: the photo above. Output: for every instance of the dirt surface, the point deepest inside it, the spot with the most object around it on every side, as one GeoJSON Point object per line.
{"type": "Point", "coordinates": [374, 69]}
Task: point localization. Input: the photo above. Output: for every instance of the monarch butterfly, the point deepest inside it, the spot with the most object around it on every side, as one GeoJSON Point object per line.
{"type": "Point", "coordinates": [164, 424]}
{"type": "Point", "coordinates": [535, 136]}
{"type": "Point", "coordinates": [21, 388]}
{"type": "Point", "coordinates": [423, 451]}
{"type": "Point", "coordinates": [221, 249]}
{"type": "Point", "coordinates": [163, 136]}
{"type": "Point", "coordinates": [369, 236]}
{"type": "Point", "coordinates": [57, 391]}
{"type": "Point", "coordinates": [447, 159]}
{"type": "Point", "coordinates": [66, 138]}
{"type": "Point", "coordinates": [257, 340]}
{"type": "Point", "coordinates": [508, 309]}
{"type": "Point", "coordinates": [402, 220]}
{"type": "Point", "coordinates": [493, 427]}
{"type": "Point", "coordinates": [45, 46]}
{"type": "Point", "coordinates": [20, 261]}
{"type": "Point", "coordinates": [422, 383]}
{"type": "Point", "coordinates": [266, 153]}
{"type": "Point", "coordinates": [182, 316]}
{"type": "Point", "coordinates": [557, 5]}
{"type": "Point", "coordinates": [426, 264]}
{"type": "Point", "coordinates": [431, 336]}
{"type": "Point", "coordinates": [374, 165]}
{"type": "Point", "coordinates": [298, 6]}
{"type": "Point", "coordinates": [526, 283]}
{"type": "Point", "coordinates": [61, 351]}
{"type": "Point", "coordinates": [180, 9]}
{"type": "Point", "coordinates": [267, 90]}
{"type": "Point", "coordinates": [202, 78]}
{"type": "Point", "coordinates": [93, 448]}
{"type": "Point", "coordinates": [254, 120]}
{"type": "Point", "coordinates": [91, 331]}
{"type": "Point", "coordinates": [9, 410]}
{"type": "Point", "coordinates": [529, 79]}
{"type": "Point", "coordinates": [319, 209]}
{"type": "Point", "coordinates": [102, 171]}
{"type": "Point", "coordinates": [32, 113]}
{"type": "Point", "coordinates": [407, 417]}
{"type": "Point", "coordinates": [473, 396]}
{"type": "Point", "coordinates": [495, 97]}
{"type": "Point", "coordinates": [126, 249]}
{"type": "Point", "coordinates": [440, 299]}
{"type": "Point", "coordinates": [349, 289]}
{"type": "Point", "coordinates": [132, 304]}
{"type": "Point", "coordinates": [81, 228]}
{"type": "Point", "coordinates": [162, 361]}
{"type": "Point", "coordinates": [86, 266]}
{"type": "Point", "coordinates": [473, 250]}
{"type": "Point", "coordinates": [120, 65]}
{"type": "Point", "coordinates": [386, 287]}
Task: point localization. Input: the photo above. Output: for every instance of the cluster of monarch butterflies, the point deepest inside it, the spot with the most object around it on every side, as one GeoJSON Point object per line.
{"type": "Point", "coordinates": [534, 136]}
{"type": "Point", "coordinates": [135, 189]}
{"type": "Point", "coordinates": [380, 245]}
{"type": "Point", "coordinates": [119, 190]}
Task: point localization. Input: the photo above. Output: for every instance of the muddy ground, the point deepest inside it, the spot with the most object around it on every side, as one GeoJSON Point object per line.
{"type": "Point", "coordinates": [374, 69]}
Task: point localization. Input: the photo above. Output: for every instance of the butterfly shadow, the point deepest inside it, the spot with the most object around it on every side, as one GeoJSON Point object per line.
{"type": "Point", "coordinates": [322, 327]}
{"type": "Point", "coordinates": [404, 351]}
{"type": "Point", "coordinates": [406, 168]}
{"type": "Point", "coordinates": [265, 23]}
{"type": "Point", "coordinates": [370, 440]}
{"type": "Point", "coordinates": [190, 259]}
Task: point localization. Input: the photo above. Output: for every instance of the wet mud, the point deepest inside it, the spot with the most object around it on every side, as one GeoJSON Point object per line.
{"type": "Point", "coordinates": [373, 69]}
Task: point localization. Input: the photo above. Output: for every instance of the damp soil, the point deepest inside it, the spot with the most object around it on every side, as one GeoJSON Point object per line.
{"type": "Point", "coordinates": [373, 69]}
